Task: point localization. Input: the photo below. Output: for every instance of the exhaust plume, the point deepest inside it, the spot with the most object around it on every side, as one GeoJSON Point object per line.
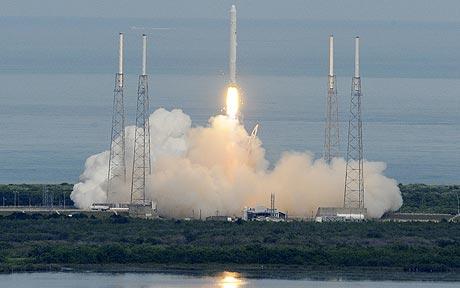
{"type": "Point", "coordinates": [211, 169]}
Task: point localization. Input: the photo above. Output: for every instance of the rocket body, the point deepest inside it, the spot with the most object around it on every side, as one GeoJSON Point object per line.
{"type": "Point", "coordinates": [233, 100]}
{"type": "Point", "coordinates": [232, 52]}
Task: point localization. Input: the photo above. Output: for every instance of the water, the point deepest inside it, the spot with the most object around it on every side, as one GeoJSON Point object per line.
{"type": "Point", "coordinates": [90, 280]}
{"type": "Point", "coordinates": [56, 92]}
{"type": "Point", "coordinates": [47, 137]}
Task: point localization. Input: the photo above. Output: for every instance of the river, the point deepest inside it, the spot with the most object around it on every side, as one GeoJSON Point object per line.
{"type": "Point", "coordinates": [152, 280]}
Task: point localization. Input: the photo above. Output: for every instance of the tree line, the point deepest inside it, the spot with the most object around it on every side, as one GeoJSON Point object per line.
{"type": "Point", "coordinates": [59, 240]}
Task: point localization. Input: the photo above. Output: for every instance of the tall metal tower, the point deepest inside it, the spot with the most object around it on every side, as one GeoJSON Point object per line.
{"type": "Point", "coordinates": [331, 133]}
{"type": "Point", "coordinates": [354, 182]}
{"type": "Point", "coordinates": [272, 204]}
{"type": "Point", "coordinates": [117, 160]}
{"type": "Point", "coordinates": [141, 158]}
{"type": "Point", "coordinates": [47, 198]}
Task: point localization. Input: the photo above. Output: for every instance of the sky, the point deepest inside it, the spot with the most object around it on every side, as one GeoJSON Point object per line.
{"type": "Point", "coordinates": [407, 38]}
{"type": "Point", "coordinates": [382, 10]}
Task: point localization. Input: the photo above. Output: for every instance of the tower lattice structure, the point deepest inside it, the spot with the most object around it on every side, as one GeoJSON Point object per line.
{"type": "Point", "coordinates": [47, 197]}
{"type": "Point", "coordinates": [117, 159]}
{"type": "Point", "coordinates": [354, 179]}
{"type": "Point", "coordinates": [141, 156]}
{"type": "Point", "coordinates": [331, 133]}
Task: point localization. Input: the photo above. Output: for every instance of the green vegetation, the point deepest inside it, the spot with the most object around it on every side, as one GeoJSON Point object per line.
{"type": "Point", "coordinates": [41, 242]}
{"type": "Point", "coordinates": [29, 240]}
{"type": "Point", "coordinates": [429, 198]}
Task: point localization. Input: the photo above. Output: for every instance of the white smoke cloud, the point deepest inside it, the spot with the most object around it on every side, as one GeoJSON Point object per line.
{"type": "Point", "coordinates": [218, 168]}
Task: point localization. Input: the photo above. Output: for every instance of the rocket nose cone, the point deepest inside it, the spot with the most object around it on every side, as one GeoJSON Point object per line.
{"type": "Point", "coordinates": [233, 9]}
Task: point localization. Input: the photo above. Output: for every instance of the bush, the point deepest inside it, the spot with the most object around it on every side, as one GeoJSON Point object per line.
{"type": "Point", "coordinates": [79, 216]}
{"type": "Point", "coordinates": [119, 219]}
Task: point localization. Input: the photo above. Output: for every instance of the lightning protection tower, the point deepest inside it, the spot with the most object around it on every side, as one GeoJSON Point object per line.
{"type": "Point", "coordinates": [141, 156]}
{"type": "Point", "coordinates": [272, 204]}
{"type": "Point", "coordinates": [117, 160]}
{"type": "Point", "coordinates": [331, 133]}
{"type": "Point", "coordinates": [47, 198]}
{"type": "Point", "coordinates": [354, 182]}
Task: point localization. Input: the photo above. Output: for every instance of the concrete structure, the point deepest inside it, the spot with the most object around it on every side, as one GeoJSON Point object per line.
{"type": "Point", "coordinates": [219, 218]}
{"type": "Point", "coordinates": [338, 214]}
{"type": "Point", "coordinates": [144, 210]}
{"type": "Point", "coordinates": [261, 213]}
{"type": "Point", "coordinates": [109, 206]}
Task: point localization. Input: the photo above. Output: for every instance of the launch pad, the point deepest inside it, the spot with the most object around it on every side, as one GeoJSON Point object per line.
{"type": "Point", "coordinates": [146, 210]}
{"type": "Point", "coordinates": [140, 207]}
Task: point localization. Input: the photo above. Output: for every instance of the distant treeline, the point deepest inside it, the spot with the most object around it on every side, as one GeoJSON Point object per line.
{"type": "Point", "coordinates": [33, 194]}
{"type": "Point", "coordinates": [416, 197]}
{"type": "Point", "coordinates": [38, 242]}
{"type": "Point", "coordinates": [430, 198]}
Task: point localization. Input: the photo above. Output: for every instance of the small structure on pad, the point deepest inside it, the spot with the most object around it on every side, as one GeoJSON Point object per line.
{"type": "Point", "coordinates": [337, 214]}
{"type": "Point", "coordinates": [114, 207]}
{"type": "Point", "coordinates": [221, 218]}
{"type": "Point", "coordinates": [147, 210]}
{"type": "Point", "coordinates": [262, 213]}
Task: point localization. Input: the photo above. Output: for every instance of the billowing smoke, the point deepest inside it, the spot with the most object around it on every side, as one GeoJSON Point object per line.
{"type": "Point", "coordinates": [220, 168]}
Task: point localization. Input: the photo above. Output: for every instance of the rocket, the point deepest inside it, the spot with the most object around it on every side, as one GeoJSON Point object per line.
{"type": "Point", "coordinates": [232, 52]}
{"type": "Point", "coordinates": [233, 100]}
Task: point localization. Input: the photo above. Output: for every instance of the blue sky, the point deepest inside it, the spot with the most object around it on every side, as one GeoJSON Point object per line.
{"type": "Point", "coordinates": [408, 38]}
{"type": "Point", "coordinates": [388, 10]}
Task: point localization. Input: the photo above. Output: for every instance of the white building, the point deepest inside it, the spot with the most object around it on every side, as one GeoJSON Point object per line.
{"type": "Point", "coordinates": [261, 213]}
{"type": "Point", "coordinates": [335, 214]}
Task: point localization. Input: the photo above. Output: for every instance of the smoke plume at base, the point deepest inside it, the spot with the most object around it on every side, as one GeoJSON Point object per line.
{"type": "Point", "coordinates": [221, 168]}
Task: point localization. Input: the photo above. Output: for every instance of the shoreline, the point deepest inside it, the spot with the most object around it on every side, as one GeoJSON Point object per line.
{"type": "Point", "coordinates": [250, 271]}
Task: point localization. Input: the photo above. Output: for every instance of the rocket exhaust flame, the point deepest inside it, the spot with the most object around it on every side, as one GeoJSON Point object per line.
{"type": "Point", "coordinates": [233, 102]}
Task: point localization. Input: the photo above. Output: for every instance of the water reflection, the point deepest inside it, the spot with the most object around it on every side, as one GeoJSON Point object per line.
{"type": "Point", "coordinates": [230, 280]}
